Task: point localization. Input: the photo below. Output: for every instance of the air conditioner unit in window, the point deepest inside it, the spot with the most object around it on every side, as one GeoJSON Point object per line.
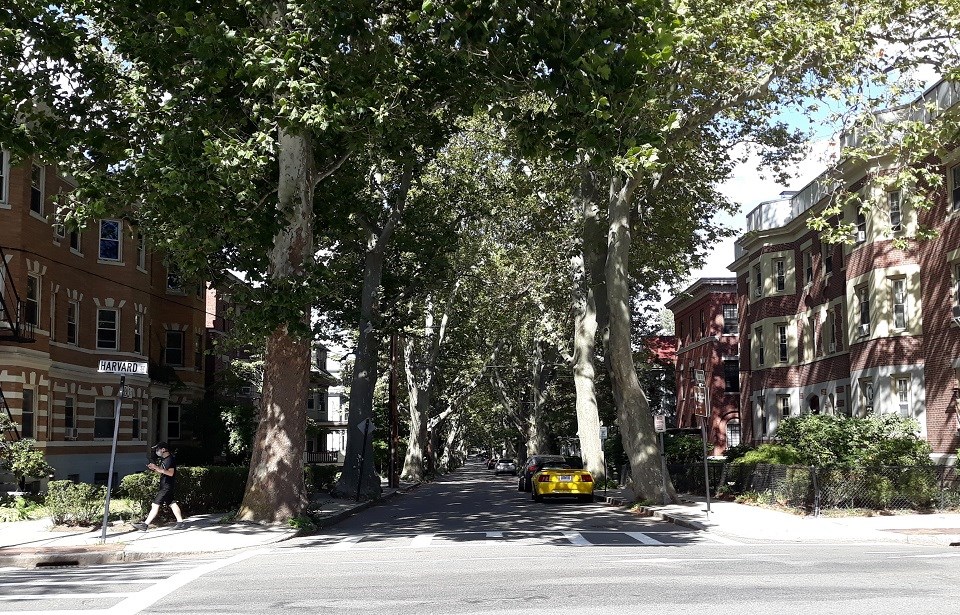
{"type": "Point", "coordinates": [832, 346]}
{"type": "Point", "coordinates": [757, 291]}
{"type": "Point", "coordinates": [861, 236]}
{"type": "Point", "coordinates": [71, 433]}
{"type": "Point", "coordinates": [865, 328]}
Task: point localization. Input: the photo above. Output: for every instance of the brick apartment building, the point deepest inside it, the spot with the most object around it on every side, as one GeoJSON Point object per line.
{"type": "Point", "coordinates": [73, 298]}
{"type": "Point", "coordinates": [859, 328]}
{"type": "Point", "coordinates": [707, 329]}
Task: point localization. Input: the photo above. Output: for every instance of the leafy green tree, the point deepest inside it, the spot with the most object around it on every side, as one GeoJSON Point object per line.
{"type": "Point", "coordinates": [21, 459]}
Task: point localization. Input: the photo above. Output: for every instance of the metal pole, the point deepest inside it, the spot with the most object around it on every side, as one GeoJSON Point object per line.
{"type": "Point", "coordinates": [363, 451]}
{"type": "Point", "coordinates": [603, 449]}
{"type": "Point", "coordinates": [663, 469]}
{"type": "Point", "coordinates": [113, 454]}
{"type": "Point", "coordinates": [706, 470]}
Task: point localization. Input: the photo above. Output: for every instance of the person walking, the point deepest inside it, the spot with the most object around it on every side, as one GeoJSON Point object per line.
{"type": "Point", "coordinates": [168, 477]}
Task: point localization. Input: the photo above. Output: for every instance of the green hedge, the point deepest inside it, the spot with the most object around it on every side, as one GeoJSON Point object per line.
{"type": "Point", "coordinates": [75, 503]}
{"type": "Point", "coordinates": [198, 489]}
{"type": "Point", "coordinates": [320, 478]}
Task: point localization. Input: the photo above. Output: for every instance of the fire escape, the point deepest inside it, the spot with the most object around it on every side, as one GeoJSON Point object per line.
{"type": "Point", "coordinates": [17, 322]}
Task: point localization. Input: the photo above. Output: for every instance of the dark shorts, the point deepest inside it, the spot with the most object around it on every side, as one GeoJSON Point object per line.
{"type": "Point", "coordinates": [164, 497]}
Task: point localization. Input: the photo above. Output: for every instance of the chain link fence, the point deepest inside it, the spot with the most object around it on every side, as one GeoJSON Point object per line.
{"type": "Point", "coordinates": [812, 488]}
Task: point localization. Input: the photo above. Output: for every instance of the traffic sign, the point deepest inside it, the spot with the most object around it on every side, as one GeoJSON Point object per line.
{"type": "Point", "coordinates": [122, 367]}
{"type": "Point", "coordinates": [603, 432]}
{"type": "Point", "coordinates": [659, 423]}
{"type": "Point", "coordinates": [366, 427]}
{"type": "Point", "coordinates": [700, 376]}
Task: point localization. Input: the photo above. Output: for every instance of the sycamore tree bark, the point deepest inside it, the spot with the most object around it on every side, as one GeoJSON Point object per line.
{"type": "Point", "coordinates": [275, 488]}
{"type": "Point", "coordinates": [541, 375]}
{"type": "Point", "coordinates": [590, 290]}
{"type": "Point", "coordinates": [420, 359]}
{"type": "Point", "coordinates": [633, 409]}
{"type": "Point", "coordinates": [358, 472]}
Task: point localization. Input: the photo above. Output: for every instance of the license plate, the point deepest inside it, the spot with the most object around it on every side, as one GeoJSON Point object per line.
{"type": "Point", "coordinates": [566, 479]}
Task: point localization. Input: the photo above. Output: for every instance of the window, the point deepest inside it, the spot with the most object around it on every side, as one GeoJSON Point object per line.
{"type": "Point", "coordinates": [955, 188]}
{"type": "Point", "coordinates": [863, 299]}
{"type": "Point", "coordinates": [808, 266]}
{"type": "Point", "coordinates": [53, 318]}
{"type": "Point", "coordinates": [141, 251]}
{"type": "Point", "coordinates": [4, 177]}
{"type": "Point", "coordinates": [173, 422]}
{"type": "Point", "coordinates": [33, 300]}
{"type": "Point", "coordinates": [36, 189]}
{"type": "Point", "coordinates": [69, 409]}
{"type": "Point", "coordinates": [173, 354]}
{"type": "Point", "coordinates": [311, 397]}
{"type": "Point", "coordinates": [812, 324]}
{"type": "Point", "coordinates": [138, 332]}
{"type": "Point", "coordinates": [692, 330]}
{"type": "Point", "coordinates": [861, 227]}
{"type": "Point", "coordinates": [782, 343]}
{"type": "Point", "coordinates": [107, 329]}
{"type": "Point", "coordinates": [137, 417]}
{"type": "Point", "coordinates": [731, 375]}
{"type": "Point", "coordinates": [827, 258]}
{"type": "Point", "coordinates": [900, 303]}
{"type": "Point", "coordinates": [781, 278]}
{"type": "Point", "coordinates": [59, 229]}
{"type": "Point", "coordinates": [103, 419]}
{"type": "Point", "coordinates": [73, 311]}
{"type": "Point", "coordinates": [75, 240]}
{"type": "Point", "coordinates": [110, 240]}
{"type": "Point", "coordinates": [758, 335]}
{"type": "Point", "coordinates": [733, 434]}
{"type": "Point", "coordinates": [901, 386]}
{"type": "Point", "coordinates": [198, 351]}
{"type": "Point", "coordinates": [895, 206]}
{"type": "Point", "coordinates": [703, 325]}
{"type": "Point", "coordinates": [731, 319]}
{"type": "Point", "coordinates": [866, 389]}
{"type": "Point", "coordinates": [174, 279]}
{"type": "Point", "coordinates": [757, 281]}
{"type": "Point", "coordinates": [28, 414]}
{"type": "Point", "coordinates": [783, 404]}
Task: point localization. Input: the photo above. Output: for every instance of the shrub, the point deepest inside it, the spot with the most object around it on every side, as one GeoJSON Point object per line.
{"type": "Point", "coordinates": [680, 449]}
{"type": "Point", "coordinates": [75, 503]}
{"type": "Point", "coordinates": [770, 453]}
{"type": "Point", "coordinates": [199, 489]}
{"type": "Point", "coordinates": [736, 452]}
{"type": "Point", "coordinates": [320, 478]}
{"type": "Point", "coordinates": [884, 440]}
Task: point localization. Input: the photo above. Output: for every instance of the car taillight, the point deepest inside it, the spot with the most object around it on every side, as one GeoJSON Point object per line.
{"type": "Point", "coordinates": [543, 478]}
{"type": "Point", "coordinates": [586, 478]}
{"type": "Point", "coordinates": [533, 469]}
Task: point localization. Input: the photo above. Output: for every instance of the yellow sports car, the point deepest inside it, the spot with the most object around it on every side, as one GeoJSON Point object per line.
{"type": "Point", "coordinates": [562, 480]}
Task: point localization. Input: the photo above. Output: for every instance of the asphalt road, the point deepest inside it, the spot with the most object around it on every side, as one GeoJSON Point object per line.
{"type": "Point", "coordinates": [472, 544]}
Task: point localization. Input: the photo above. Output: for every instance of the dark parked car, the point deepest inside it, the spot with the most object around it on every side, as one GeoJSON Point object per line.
{"type": "Point", "coordinates": [534, 463]}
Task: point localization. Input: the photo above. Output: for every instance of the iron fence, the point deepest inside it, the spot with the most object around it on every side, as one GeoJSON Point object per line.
{"type": "Point", "coordinates": [812, 488]}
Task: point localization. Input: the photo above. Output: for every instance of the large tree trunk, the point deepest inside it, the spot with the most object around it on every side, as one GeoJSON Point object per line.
{"type": "Point", "coordinates": [275, 488]}
{"type": "Point", "coordinates": [633, 410]}
{"type": "Point", "coordinates": [536, 427]}
{"type": "Point", "coordinates": [359, 476]}
{"type": "Point", "coordinates": [418, 392]}
{"type": "Point", "coordinates": [585, 331]}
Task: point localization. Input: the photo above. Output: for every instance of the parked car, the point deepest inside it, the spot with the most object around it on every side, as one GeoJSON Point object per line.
{"type": "Point", "coordinates": [562, 479]}
{"type": "Point", "coordinates": [532, 465]}
{"type": "Point", "coordinates": [505, 466]}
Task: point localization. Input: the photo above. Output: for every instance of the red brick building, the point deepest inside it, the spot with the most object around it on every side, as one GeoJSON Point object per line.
{"type": "Point", "coordinates": [73, 298]}
{"type": "Point", "coordinates": [706, 319]}
{"type": "Point", "coordinates": [858, 328]}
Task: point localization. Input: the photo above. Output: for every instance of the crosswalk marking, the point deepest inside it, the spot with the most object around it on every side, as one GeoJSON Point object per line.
{"type": "Point", "coordinates": [644, 539]}
{"type": "Point", "coordinates": [346, 544]}
{"type": "Point", "coordinates": [421, 541]}
{"type": "Point", "coordinates": [494, 534]}
{"type": "Point", "coordinates": [577, 538]}
{"type": "Point", "coordinates": [67, 596]}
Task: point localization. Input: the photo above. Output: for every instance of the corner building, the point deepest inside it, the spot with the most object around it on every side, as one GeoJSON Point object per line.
{"type": "Point", "coordinates": [859, 328]}
{"type": "Point", "coordinates": [72, 298]}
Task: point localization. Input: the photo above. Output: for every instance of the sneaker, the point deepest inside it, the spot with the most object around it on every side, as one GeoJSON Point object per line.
{"type": "Point", "coordinates": [180, 526]}
{"type": "Point", "coordinates": [143, 527]}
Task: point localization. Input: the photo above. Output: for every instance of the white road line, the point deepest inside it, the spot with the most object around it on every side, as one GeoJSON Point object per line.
{"type": "Point", "coordinates": [146, 598]}
{"type": "Point", "coordinates": [66, 596]}
{"type": "Point", "coordinates": [421, 541]}
{"type": "Point", "coordinates": [643, 538]}
{"type": "Point", "coordinates": [577, 538]}
{"type": "Point", "coordinates": [494, 534]}
{"type": "Point", "coordinates": [58, 582]}
{"type": "Point", "coordinates": [720, 539]}
{"type": "Point", "coordinates": [346, 544]}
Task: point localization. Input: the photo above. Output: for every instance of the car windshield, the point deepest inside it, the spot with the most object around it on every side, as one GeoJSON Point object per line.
{"type": "Point", "coordinates": [555, 465]}
{"type": "Point", "coordinates": [506, 461]}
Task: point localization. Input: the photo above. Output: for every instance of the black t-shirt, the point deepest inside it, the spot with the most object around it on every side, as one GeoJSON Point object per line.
{"type": "Point", "coordinates": [167, 482]}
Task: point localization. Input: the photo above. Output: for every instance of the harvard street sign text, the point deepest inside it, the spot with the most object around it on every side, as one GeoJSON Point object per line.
{"type": "Point", "coordinates": [122, 367]}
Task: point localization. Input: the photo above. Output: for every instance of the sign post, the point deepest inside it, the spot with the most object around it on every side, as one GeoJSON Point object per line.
{"type": "Point", "coordinates": [603, 450]}
{"type": "Point", "coordinates": [660, 426]}
{"type": "Point", "coordinates": [367, 427]}
{"type": "Point", "coordinates": [123, 368]}
{"type": "Point", "coordinates": [702, 409]}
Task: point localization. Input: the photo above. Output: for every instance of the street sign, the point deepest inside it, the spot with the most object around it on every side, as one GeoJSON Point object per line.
{"type": "Point", "coordinates": [699, 376]}
{"type": "Point", "coordinates": [367, 427]}
{"type": "Point", "coordinates": [659, 423]}
{"type": "Point", "coordinates": [701, 407]}
{"type": "Point", "coordinates": [603, 432]}
{"type": "Point", "coordinates": [122, 367]}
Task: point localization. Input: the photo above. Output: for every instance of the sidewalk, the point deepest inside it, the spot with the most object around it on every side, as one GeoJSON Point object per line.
{"type": "Point", "coordinates": [757, 523]}
{"type": "Point", "coordinates": [37, 544]}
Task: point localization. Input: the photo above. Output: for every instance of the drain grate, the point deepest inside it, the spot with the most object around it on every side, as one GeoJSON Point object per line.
{"type": "Point", "coordinates": [58, 563]}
